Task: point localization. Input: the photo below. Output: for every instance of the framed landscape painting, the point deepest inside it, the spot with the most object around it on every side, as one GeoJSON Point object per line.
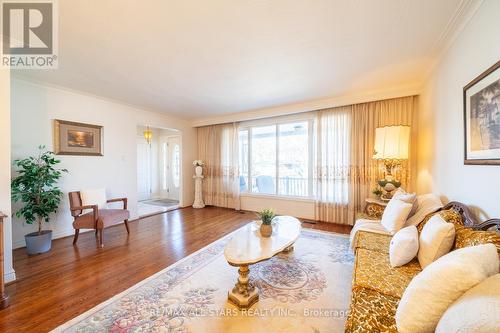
{"type": "Point", "coordinates": [482, 118]}
{"type": "Point", "coordinates": [72, 138]}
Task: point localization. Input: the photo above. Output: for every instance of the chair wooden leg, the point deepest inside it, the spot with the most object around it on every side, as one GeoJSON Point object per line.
{"type": "Point", "coordinates": [77, 232]}
{"type": "Point", "coordinates": [101, 243]}
{"type": "Point", "coordinates": [126, 226]}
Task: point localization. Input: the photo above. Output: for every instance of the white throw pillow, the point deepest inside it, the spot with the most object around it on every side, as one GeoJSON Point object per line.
{"type": "Point", "coordinates": [395, 215]}
{"type": "Point", "coordinates": [404, 246]}
{"type": "Point", "coordinates": [433, 290]}
{"type": "Point", "coordinates": [478, 310]}
{"type": "Point", "coordinates": [436, 239]}
{"type": "Point", "coordinates": [411, 198]}
{"type": "Point", "coordinates": [426, 204]}
{"type": "Point", "coordinates": [94, 197]}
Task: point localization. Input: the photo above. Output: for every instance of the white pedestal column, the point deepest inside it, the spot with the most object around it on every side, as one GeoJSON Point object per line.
{"type": "Point", "coordinates": [198, 200]}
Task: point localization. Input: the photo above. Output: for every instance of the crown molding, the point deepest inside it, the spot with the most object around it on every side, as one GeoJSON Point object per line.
{"type": "Point", "coordinates": [457, 23]}
{"type": "Point", "coordinates": [47, 85]}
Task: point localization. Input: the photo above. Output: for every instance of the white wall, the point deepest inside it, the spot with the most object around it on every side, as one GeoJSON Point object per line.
{"type": "Point", "coordinates": [34, 107]}
{"type": "Point", "coordinates": [302, 208]}
{"type": "Point", "coordinates": [5, 204]}
{"type": "Point", "coordinates": [441, 135]}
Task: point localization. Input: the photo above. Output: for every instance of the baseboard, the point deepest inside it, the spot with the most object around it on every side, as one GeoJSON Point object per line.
{"type": "Point", "coordinates": [60, 234]}
{"type": "Point", "coordinates": [67, 232]}
{"type": "Point", "coordinates": [9, 276]}
{"type": "Point", "coordinates": [55, 235]}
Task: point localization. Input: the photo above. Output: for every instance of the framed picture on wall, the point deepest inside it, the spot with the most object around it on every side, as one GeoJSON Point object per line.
{"type": "Point", "coordinates": [482, 118]}
{"type": "Point", "coordinates": [72, 138]}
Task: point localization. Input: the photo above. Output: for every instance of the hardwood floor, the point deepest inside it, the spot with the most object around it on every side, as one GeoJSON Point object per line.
{"type": "Point", "coordinates": [54, 287]}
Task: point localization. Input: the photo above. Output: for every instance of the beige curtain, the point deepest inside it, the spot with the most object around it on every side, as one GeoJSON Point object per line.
{"type": "Point", "coordinates": [357, 165]}
{"type": "Point", "coordinates": [218, 149]}
{"type": "Point", "coordinates": [333, 129]}
{"type": "Point", "coordinates": [366, 117]}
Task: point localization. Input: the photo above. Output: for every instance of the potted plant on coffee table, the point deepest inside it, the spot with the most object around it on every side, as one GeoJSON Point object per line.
{"type": "Point", "coordinates": [36, 188]}
{"type": "Point", "coordinates": [266, 228]}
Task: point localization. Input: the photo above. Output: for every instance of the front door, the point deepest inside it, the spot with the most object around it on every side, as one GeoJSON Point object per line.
{"type": "Point", "coordinates": [143, 169]}
{"type": "Point", "coordinates": [172, 151]}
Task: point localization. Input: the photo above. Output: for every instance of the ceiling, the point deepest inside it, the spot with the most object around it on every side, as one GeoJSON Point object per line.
{"type": "Point", "coordinates": [198, 59]}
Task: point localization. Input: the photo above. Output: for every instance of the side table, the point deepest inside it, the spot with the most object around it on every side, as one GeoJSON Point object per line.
{"type": "Point", "coordinates": [374, 208]}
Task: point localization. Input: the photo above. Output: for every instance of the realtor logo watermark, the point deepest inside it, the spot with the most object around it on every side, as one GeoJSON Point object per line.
{"type": "Point", "coordinates": [29, 34]}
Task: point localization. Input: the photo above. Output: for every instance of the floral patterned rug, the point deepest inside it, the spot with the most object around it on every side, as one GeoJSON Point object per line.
{"type": "Point", "coordinates": [305, 290]}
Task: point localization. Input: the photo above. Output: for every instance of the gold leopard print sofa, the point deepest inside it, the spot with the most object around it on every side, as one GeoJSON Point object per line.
{"type": "Point", "coordinates": [377, 288]}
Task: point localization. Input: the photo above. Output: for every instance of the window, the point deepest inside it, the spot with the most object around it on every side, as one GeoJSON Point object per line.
{"type": "Point", "coordinates": [276, 159]}
{"type": "Point", "coordinates": [263, 159]}
{"type": "Point", "coordinates": [294, 159]}
{"type": "Point", "coordinates": [243, 160]}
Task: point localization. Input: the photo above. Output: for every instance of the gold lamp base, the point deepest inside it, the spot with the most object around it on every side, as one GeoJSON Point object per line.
{"type": "Point", "coordinates": [389, 184]}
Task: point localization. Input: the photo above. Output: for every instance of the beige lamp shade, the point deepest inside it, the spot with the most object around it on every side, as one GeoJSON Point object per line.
{"type": "Point", "coordinates": [392, 143]}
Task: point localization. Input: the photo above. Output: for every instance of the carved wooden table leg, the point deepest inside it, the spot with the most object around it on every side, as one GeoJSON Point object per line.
{"type": "Point", "coordinates": [244, 294]}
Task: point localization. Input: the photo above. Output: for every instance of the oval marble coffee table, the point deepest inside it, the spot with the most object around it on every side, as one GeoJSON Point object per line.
{"type": "Point", "coordinates": [248, 247]}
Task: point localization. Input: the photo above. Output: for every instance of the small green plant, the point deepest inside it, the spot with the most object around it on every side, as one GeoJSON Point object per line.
{"type": "Point", "coordinates": [36, 187]}
{"type": "Point", "coordinates": [377, 191]}
{"type": "Point", "coordinates": [266, 215]}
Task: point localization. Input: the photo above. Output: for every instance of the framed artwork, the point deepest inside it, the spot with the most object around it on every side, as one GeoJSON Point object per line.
{"type": "Point", "coordinates": [72, 138]}
{"type": "Point", "coordinates": [482, 118]}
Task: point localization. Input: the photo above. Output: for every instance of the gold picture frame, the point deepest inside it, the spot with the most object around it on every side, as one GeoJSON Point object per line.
{"type": "Point", "coordinates": [72, 138]}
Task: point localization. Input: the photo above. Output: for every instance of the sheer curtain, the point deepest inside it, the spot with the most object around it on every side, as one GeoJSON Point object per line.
{"type": "Point", "coordinates": [218, 148]}
{"type": "Point", "coordinates": [346, 172]}
{"type": "Point", "coordinates": [333, 128]}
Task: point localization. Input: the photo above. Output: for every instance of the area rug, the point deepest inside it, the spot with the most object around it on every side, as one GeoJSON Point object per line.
{"type": "Point", "coordinates": [305, 290]}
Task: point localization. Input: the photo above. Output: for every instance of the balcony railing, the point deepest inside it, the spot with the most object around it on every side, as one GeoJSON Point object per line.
{"type": "Point", "coordinates": [287, 186]}
{"type": "Point", "coordinates": [295, 187]}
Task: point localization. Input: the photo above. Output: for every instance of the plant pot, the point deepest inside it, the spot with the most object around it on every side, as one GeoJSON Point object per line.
{"type": "Point", "coordinates": [198, 170]}
{"type": "Point", "coordinates": [266, 230]}
{"type": "Point", "coordinates": [38, 243]}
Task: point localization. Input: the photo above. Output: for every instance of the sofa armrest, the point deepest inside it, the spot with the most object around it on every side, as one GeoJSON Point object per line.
{"type": "Point", "coordinates": [372, 241]}
{"type": "Point", "coordinates": [489, 224]}
{"type": "Point", "coordinates": [125, 200]}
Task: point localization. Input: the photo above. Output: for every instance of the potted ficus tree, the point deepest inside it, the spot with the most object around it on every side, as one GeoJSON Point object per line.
{"type": "Point", "coordinates": [36, 188]}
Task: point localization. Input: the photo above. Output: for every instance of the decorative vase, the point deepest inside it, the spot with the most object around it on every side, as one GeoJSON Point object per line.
{"type": "Point", "coordinates": [198, 170]}
{"type": "Point", "coordinates": [266, 230]}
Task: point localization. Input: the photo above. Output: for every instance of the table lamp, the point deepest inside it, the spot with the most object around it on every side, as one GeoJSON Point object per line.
{"type": "Point", "coordinates": [391, 147]}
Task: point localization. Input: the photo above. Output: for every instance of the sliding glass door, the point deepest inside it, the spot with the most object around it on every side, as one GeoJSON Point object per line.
{"type": "Point", "coordinates": [276, 159]}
